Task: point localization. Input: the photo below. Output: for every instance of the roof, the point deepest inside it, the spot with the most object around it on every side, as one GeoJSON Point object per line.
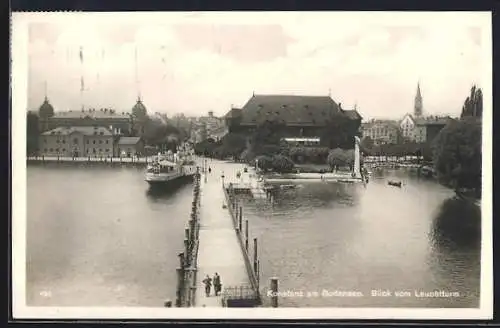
{"type": "Point", "coordinates": [293, 110]}
{"type": "Point", "coordinates": [139, 109]}
{"type": "Point", "coordinates": [129, 140]}
{"type": "Point", "coordinates": [46, 108]}
{"type": "Point", "coordinates": [102, 113]}
{"type": "Point", "coordinates": [85, 130]}
{"type": "Point", "coordinates": [352, 114]}
{"type": "Point", "coordinates": [432, 120]}
{"type": "Point", "coordinates": [385, 123]}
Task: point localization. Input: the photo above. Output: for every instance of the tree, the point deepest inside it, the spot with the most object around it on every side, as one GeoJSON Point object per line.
{"type": "Point", "coordinates": [32, 132]}
{"type": "Point", "coordinates": [367, 143]}
{"type": "Point", "coordinates": [264, 162]}
{"type": "Point", "coordinates": [457, 154]}
{"type": "Point", "coordinates": [339, 132]}
{"type": "Point", "coordinates": [336, 158]}
{"type": "Point", "coordinates": [473, 105]}
{"type": "Point", "coordinates": [282, 164]}
{"type": "Point", "coordinates": [266, 133]}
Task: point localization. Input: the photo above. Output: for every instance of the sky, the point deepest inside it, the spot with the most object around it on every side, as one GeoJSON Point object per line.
{"type": "Point", "coordinates": [192, 63]}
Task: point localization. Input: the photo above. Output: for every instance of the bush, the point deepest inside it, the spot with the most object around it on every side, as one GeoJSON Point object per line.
{"type": "Point", "coordinates": [264, 162]}
{"type": "Point", "coordinates": [282, 164]}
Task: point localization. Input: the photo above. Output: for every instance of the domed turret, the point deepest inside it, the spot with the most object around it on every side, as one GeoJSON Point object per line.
{"type": "Point", "coordinates": [139, 110]}
{"type": "Point", "coordinates": [46, 110]}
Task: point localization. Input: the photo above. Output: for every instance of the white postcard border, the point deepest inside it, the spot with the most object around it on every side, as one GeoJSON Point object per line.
{"type": "Point", "coordinates": [19, 50]}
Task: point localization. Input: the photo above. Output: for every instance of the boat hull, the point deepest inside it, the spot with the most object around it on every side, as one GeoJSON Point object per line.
{"type": "Point", "coordinates": [170, 182]}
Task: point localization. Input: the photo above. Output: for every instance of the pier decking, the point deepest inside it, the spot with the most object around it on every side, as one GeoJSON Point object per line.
{"type": "Point", "coordinates": [219, 250]}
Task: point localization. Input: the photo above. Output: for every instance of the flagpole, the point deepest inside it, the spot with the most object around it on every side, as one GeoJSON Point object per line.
{"type": "Point", "coordinates": [82, 83]}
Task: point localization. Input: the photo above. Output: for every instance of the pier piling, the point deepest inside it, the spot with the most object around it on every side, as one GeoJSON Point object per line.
{"type": "Point", "coordinates": [246, 235]}
{"type": "Point", "coordinates": [240, 218]}
{"type": "Point", "coordinates": [255, 255]}
{"type": "Point", "coordinates": [274, 290]}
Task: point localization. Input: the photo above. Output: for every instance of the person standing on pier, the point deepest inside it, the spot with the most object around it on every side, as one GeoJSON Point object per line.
{"type": "Point", "coordinates": [217, 284]}
{"type": "Point", "coordinates": [208, 285]}
{"type": "Point", "coordinates": [209, 169]}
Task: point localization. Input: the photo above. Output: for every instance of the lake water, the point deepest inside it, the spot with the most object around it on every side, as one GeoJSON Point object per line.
{"type": "Point", "coordinates": [96, 236]}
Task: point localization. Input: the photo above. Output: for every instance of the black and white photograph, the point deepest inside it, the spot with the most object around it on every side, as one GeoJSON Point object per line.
{"type": "Point", "coordinates": [272, 165]}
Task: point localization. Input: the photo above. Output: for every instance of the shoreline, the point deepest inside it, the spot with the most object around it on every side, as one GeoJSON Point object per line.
{"type": "Point", "coordinates": [111, 161]}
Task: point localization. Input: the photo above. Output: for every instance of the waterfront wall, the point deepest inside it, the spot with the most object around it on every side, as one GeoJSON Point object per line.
{"type": "Point", "coordinates": [80, 161]}
{"type": "Point", "coordinates": [187, 270]}
{"type": "Point", "coordinates": [242, 231]}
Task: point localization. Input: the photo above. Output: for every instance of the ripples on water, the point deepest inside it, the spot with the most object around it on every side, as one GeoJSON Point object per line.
{"type": "Point", "coordinates": [351, 238]}
{"type": "Point", "coordinates": [98, 236]}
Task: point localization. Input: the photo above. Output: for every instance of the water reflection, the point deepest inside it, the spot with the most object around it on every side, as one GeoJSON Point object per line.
{"type": "Point", "coordinates": [455, 256]}
{"type": "Point", "coordinates": [163, 192]}
{"type": "Point", "coordinates": [457, 225]}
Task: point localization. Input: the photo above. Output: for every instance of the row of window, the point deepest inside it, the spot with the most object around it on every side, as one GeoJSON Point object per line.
{"type": "Point", "coordinates": [64, 149]}
{"type": "Point", "coordinates": [75, 141]}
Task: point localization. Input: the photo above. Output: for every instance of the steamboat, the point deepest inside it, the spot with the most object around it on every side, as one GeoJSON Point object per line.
{"type": "Point", "coordinates": [171, 169]}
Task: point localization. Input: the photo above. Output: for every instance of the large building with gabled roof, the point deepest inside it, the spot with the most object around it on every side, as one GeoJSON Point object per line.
{"type": "Point", "coordinates": [303, 116]}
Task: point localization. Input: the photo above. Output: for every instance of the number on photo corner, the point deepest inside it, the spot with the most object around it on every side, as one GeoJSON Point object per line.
{"type": "Point", "coordinates": [46, 293]}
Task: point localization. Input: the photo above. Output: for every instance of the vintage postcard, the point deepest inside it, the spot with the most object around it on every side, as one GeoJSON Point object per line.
{"type": "Point", "coordinates": [261, 165]}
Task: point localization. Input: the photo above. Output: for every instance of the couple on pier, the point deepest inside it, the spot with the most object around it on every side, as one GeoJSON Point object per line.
{"type": "Point", "coordinates": [208, 284]}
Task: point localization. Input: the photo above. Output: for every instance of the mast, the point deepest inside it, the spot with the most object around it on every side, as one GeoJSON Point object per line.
{"type": "Point", "coordinates": [138, 87]}
{"type": "Point", "coordinates": [82, 82]}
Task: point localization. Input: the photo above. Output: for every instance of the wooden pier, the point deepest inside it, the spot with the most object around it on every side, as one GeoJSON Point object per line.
{"type": "Point", "coordinates": [220, 249]}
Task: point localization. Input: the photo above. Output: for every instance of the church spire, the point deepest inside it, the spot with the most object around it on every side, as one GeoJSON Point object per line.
{"type": "Point", "coordinates": [418, 108]}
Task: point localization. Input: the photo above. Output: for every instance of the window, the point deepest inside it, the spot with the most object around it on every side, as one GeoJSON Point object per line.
{"type": "Point", "coordinates": [45, 140]}
{"type": "Point", "coordinates": [100, 142]}
{"type": "Point", "coordinates": [107, 150]}
{"type": "Point", "coordinates": [93, 141]}
{"type": "Point", "coordinates": [75, 141]}
{"type": "Point", "coordinates": [51, 149]}
{"type": "Point", "coordinates": [64, 149]}
{"type": "Point", "coordinates": [102, 133]}
{"type": "Point", "coordinates": [107, 142]}
{"type": "Point", "coordinates": [100, 150]}
{"type": "Point", "coordinates": [93, 150]}
{"type": "Point", "coordinates": [64, 141]}
{"type": "Point", "coordinates": [57, 141]}
{"type": "Point", "coordinates": [57, 149]}
{"type": "Point", "coordinates": [45, 150]}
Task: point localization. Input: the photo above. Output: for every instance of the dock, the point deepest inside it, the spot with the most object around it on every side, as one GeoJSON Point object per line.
{"type": "Point", "coordinates": [219, 245]}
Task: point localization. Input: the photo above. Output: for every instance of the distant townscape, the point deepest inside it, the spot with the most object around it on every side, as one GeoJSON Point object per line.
{"type": "Point", "coordinates": [289, 128]}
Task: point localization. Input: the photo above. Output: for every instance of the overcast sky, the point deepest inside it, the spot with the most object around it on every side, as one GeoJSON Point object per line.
{"type": "Point", "coordinates": [193, 63]}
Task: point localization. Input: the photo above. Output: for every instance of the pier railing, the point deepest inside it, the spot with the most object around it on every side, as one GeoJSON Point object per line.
{"type": "Point", "coordinates": [252, 265]}
{"type": "Point", "coordinates": [187, 270]}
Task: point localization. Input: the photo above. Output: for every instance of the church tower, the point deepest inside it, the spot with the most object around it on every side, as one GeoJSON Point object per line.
{"type": "Point", "coordinates": [418, 109]}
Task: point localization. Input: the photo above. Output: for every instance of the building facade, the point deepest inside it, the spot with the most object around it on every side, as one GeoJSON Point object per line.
{"type": "Point", "coordinates": [77, 141]}
{"type": "Point", "coordinates": [104, 117]}
{"type": "Point", "coordinates": [129, 146]}
{"type": "Point", "coordinates": [407, 127]}
{"type": "Point", "coordinates": [382, 132]}
{"type": "Point", "coordinates": [426, 129]}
